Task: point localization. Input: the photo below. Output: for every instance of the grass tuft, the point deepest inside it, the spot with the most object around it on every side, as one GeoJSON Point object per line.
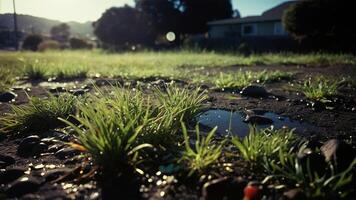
{"type": "Point", "coordinates": [71, 73]}
{"type": "Point", "coordinates": [243, 79]}
{"type": "Point", "coordinates": [35, 72]}
{"type": "Point", "coordinates": [7, 78]}
{"type": "Point", "coordinates": [116, 123]}
{"type": "Point", "coordinates": [319, 88]}
{"type": "Point", "coordinates": [276, 153]}
{"type": "Point", "coordinates": [262, 143]}
{"type": "Point", "coordinates": [109, 128]}
{"type": "Point", "coordinates": [38, 114]}
{"type": "Point", "coordinates": [202, 154]}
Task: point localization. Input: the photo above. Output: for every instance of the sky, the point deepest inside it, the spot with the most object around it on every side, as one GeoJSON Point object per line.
{"type": "Point", "coordinates": [91, 10]}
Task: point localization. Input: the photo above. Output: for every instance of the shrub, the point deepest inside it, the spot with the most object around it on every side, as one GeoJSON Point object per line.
{"type": "Point", "coordinates": [77, 43]}
{"type": "Point", "coordinates": [48, 45]}
{"type": "Point", "coordinates": [31, 42]}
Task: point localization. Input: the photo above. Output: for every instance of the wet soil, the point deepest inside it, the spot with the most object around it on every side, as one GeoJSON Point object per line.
{"type": "Point", "coordinates": [284, 102]}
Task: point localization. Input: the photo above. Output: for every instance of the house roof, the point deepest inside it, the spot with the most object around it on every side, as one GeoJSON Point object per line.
{"type": "Point", "coordinates": [273, 14]}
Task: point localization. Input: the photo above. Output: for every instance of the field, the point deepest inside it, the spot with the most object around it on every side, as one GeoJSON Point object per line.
{"type": "Point", "coordinates": [177, 125]}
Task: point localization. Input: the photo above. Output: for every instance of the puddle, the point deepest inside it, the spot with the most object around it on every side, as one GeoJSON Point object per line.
{"type": "Point", "coordinates": [234, 121]}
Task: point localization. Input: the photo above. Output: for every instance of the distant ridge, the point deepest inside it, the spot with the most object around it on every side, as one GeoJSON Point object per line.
{"type": "Point", "coordinates": [32, 24]}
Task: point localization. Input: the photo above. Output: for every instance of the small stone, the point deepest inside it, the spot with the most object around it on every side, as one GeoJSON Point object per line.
{"type": "Point", "coordinates": [57, 89]}
{"type": "Point", "coordinates": [78, 92]}
{"type": "Point", "coordinates": [10, 175]}
{"type": "Point", "coordinates": [225, 187]}
{"type": "Point", "coordinates": [49, 140]}
{"type": "Point", "coordinates": [338, 153]}
{"type": "Point", "coordinates": [66, 153]}
{"type": "Point", "coordinates": [294, 194]}
{"type": "Point", "coordinates": [317, 105]}
{"type": "Point", "coordinates": [55, 148]}
{"type": "Point", "coordinates": [6, 161]}
{"type": "Point", "coordinates": [7, 96]}
{"type": "Point", "coordinates": [258, 119]}
{"type": "Point", "coordinates": [255, 112]}
{"type": "Point", "coordinates": [254, 91]}
{"type": "Point", "coordinates": [26, 145]}
{"type": "Point", "coordinates": [39, 148]}
{"type": "Point", "coordinates": [312, 161]}
{"type": "Point", "coordinates": [22, 186]}
{"type": "Point", "coordinates": [56, 173]}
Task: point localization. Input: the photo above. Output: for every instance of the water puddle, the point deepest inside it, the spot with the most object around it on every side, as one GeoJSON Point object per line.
{"type": "Point", "coordinates": [234, 121]}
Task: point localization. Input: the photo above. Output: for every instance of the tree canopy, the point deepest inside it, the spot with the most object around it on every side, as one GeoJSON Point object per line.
{"type": "Point", "coordinates": [61, 32]}
{"type": "Point", "coordinates": [152, 18]}
{"type": "Point", "coordinates": [123, 26]}
{"type": "Point", "coordinates": [320, 18]}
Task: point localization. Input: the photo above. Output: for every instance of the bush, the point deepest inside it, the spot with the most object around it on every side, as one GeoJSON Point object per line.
{"type": "Point", "coordinates": [31, 42]}
{"type": "Point", "coordinates": [48, 45]}
{"type": "Point", "coordinates": [77, 43]}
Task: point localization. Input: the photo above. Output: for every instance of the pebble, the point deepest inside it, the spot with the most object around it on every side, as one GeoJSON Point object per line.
{"type": "Point", "coordinates": [78, 92]}
{"type": "Point", "coordinates": [56, 173]}
{"type": "Point", "coordinates": [22, 186]}
{"type": "Point", "coordinates": [224, 188]}
{"type": "Point", "coordinates": [66, 152]}
{"type": "Point", "coordinates": [338, 153]}
{"type": "Point", "coordinates": [26, 145]}
{"type": "Point", "coordinates": [7, 96]}
{"type": "Point", "coordinates": [11, 174]}
{"type": "Point", "coordinates": [6, 161]}
{"type": "Point", "coordinates": [258, 119]}
{"type": "Point", "coordinates": [294, 194]}
{"type": "Point", "coordinates": [39, 148]}
{"type": "Point", "coordinates": [57, 89]}
{"type": "Point", "coordinates": [254, 91]}
{"type": "Point", "coordinates": [313, 161]}
{"type": "Point", "coordinates": [255, 112]}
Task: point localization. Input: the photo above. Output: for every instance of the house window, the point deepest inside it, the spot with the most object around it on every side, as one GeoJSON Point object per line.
{"type": "Point", "coordinates": [279, 29]}
{"type": "Point", "coordinates": [249, 29]}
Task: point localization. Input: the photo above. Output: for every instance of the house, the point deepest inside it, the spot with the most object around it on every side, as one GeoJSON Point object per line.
{"type": "Point", "coordinates": [263, 32]}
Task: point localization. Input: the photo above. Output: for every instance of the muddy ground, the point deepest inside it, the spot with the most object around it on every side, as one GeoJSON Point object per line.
{"type": "Point", "coordinates": [60, 176]}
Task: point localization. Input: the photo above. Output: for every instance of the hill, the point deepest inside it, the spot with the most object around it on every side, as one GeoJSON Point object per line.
{"type": "Point", "coordinates": [28, 23]}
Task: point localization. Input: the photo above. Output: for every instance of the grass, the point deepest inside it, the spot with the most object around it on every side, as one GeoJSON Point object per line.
{"type": "Point", "coordinates": [71, 73]}
{"type": "Point", "coordinates": [109, 128]}
{"type": "Point", "coordinates": [319, 88]}
{"type": "Point", "coordinates": [38, 114]}
{"type": "Point", "coordinates": [202, 154]}
{"type": "Point", "coordinates": [316, 183]}
{"type": "Point", "coordinates": [7, 78]}
{"type": "Point", "coordinates": [172, 106]}
{"type": "Point", "coordinates": [276, 153]}
{"type": "Point", "coordinates": [262, 143]}
{"type": "Point", "coordinates": [245, 78]}
{"type": "Point", "coordinates": [178, 64]}
{"type": "Point", "coordinates": [35, 72]}
{"type": "Point", "coordinates": [117, 122]}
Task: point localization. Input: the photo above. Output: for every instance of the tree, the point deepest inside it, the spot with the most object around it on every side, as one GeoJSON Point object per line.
{"type": "Point", "coordinates": [123, 26]}
{"type": "Point", "coordinates": [163, 15]}
{"type": "Point", "coordinates": [324, 21]}
{"type": "Point", "coordinates": [78, 43]}
{"type": "Point", "coordinates": [31, 42]}
{"type": "Point", "coordinates": [196, 13]}
{"type": "Point", "coordinates": [60, 33]}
